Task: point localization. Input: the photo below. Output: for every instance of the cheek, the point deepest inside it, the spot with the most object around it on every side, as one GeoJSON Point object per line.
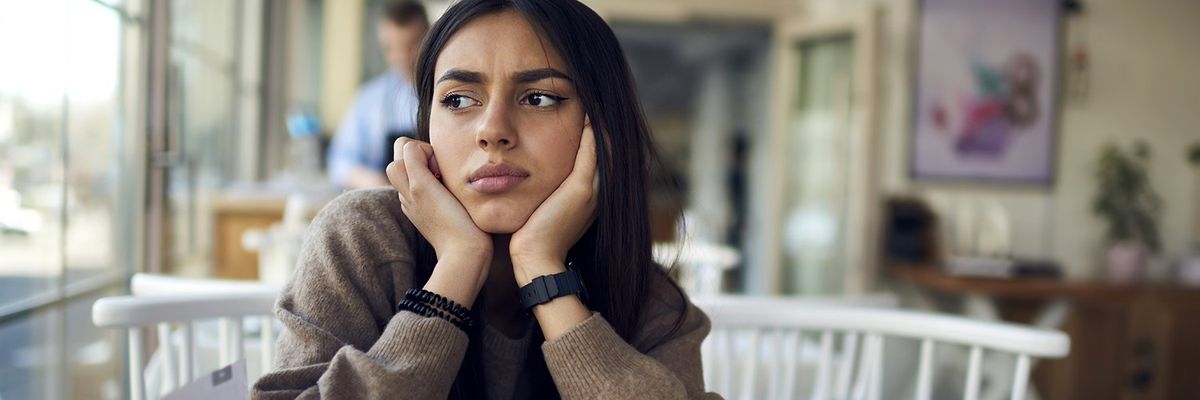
{"type": "Point", "coordinates": [562, 159]}
{"type": "Point", "coordinates": [553, 137]}
{"type": "Point", "coordinates": [450, 145]}
{"type": "Point", "coordinates": [557, 150]}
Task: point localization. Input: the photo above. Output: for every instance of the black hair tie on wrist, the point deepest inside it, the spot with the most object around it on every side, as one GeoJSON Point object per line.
{"type": "Point", "coordinates": [435, 299]}
{"type": "Point", "coordinates": [428, 304]}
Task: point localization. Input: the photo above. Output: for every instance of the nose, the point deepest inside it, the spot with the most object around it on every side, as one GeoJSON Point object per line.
{"type": "Point", "coordinates": [496, 130]}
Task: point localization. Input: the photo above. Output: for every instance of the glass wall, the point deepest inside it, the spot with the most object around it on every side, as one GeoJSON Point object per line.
{"type": "Point", "coordinates": [94, 131]}
{"type": "Point", "coordinates": [64, 128]}
{"type": "Point", "coordinates": [80, 145]}
{"type": "Point", "coordinates": [68, 124]}
{"type": "Point", "coordinates": [33, 105]}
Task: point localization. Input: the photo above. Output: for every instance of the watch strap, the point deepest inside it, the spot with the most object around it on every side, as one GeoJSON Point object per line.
{"type": "Point", "coordinates": [549, 287]}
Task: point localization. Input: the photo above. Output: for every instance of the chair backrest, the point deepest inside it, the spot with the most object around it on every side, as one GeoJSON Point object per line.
{"type": "Point", "coordinates": [153, 285]}
{"type": "Point", "coordinates": [163, 312]}
{"type": "Point", "coordinates": [701, 265]}
{"type": "Point", "coordinates": [753, 332]}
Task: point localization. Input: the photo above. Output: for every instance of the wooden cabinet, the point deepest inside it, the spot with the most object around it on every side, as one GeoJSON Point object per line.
{"type": "Point", "coordinates": [1127, 342]}
{"type": "Point", "coordinates": [233, 216]}
{"type": "Point", "coordinates": [1145, 345]}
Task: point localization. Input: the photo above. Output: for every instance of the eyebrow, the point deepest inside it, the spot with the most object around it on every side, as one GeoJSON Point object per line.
{"type": "Point", "coordinates": [535, 75]}
{"type": "Point", "coordinates": [461, 76]}
{"type": "Point", "coordinates": [529, 76]}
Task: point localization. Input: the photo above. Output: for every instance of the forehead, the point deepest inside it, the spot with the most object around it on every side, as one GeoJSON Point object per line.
{"type": "Point", "coordinates": [499, 43]}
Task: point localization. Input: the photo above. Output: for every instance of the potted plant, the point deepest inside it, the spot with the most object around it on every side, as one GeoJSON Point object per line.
{"type": "Point", "coordinates": [1130, 207]}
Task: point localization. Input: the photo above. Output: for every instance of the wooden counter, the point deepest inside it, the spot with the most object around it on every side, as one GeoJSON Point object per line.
{"type": "Point", "coordinates": [1137, 341]}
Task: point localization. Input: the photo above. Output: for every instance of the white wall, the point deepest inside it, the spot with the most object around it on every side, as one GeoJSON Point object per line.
{"type": "Point", "coordinates": [342, 59]}
{"type": "Point", "coordinates": [1145, 84]}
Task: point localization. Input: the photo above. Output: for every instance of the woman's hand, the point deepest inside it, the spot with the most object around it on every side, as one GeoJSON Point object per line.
{"type": "Point", "coordinates": [464, 252]}
{"type": "Point", "coordinates": [540, 246]}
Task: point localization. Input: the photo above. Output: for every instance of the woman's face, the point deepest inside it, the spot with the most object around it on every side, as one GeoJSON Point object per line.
{"type": "Point", "coordinates": [505, 122]}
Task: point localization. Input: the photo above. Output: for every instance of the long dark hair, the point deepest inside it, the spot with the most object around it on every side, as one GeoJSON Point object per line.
{"type": "Point", "coordinates": [613, 256]}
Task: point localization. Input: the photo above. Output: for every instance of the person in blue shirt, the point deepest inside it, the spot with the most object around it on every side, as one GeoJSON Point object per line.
{"type": "Point", "coordinates": [386, 106]}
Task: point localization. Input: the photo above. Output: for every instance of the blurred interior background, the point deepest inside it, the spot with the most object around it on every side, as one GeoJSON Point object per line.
{"type": "Point", "coordinates": [824, 148]}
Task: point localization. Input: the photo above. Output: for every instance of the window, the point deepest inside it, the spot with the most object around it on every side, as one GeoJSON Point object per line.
{"type": "Point", "coordinates": [68, 128]}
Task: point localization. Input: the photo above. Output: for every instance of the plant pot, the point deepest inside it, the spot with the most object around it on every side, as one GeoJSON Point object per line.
{"type": "Point", "coordinates": [1126, 262]}
{"type": "Point", "coordinates": [1187, 271]}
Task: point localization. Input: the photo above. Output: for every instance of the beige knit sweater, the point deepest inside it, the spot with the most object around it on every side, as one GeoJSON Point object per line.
{"type": "Point", "coordinates": [344, 340]}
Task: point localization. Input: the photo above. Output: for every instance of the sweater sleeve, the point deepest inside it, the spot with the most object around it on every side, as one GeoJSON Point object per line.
{"type": "Point", "coordinates": [342, 339]}
{"type": "Point", "coordinates": [591, 361]}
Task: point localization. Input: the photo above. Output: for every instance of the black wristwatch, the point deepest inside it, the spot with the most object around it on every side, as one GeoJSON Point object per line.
{"type": "Point", "coordinates": [549, 287]}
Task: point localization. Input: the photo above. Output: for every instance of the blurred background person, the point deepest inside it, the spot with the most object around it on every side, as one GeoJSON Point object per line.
{"type": "Point", "coordinates": [385, 107]}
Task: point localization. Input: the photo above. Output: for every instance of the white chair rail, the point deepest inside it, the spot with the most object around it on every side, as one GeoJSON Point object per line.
{"type": "Point", "coordinates": [170, 313]}
{"type": "Point", "coordinates": [155, 285]}
{"type": "Point", "coordinates": [769, 333]}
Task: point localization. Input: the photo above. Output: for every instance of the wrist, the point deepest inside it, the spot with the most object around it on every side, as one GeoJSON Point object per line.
{"type": "Point", "coordinates": [560, 315]}
{"type": "Point", "coordinates": [478, 253]}
{"type": "Point", "coordinates": [526, 248]}
{"type": "Point", "coordinates": [530, 255]}
{"type": "Point", "coordinates": [526, 269]}
{"type": "Point", "coordinates": [459, 277]}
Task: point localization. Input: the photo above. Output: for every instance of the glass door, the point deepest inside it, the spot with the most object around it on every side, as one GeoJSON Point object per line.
{"type": "Point", "coordinates": [201, 121]}
{"type": "Point", "coordinates": [202, 139]}
{"type": "Point", "coordinates": [816, 184]}
{"type": "Point", "coordinates": [823, 208]}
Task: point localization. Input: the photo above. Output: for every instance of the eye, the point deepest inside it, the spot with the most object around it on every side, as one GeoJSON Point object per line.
{"type": "Point", "coordinates": [458, 102]}
{"type": "Point", "coordinates": [542, 100]}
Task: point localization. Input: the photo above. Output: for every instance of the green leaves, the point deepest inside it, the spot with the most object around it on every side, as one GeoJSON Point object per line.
{"type": "Point", "coordinates": [1124, 196]}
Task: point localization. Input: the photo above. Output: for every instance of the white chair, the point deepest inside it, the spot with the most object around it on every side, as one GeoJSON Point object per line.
{"type": "Point", "coordinates": [769, 334]}
{"type": "Point", "coordinates": [702, 265]}
{"type": "Point", "coordinates": [152, 285]}
{"type": "Point", "coordinates": [190, 306]}
{"type": "Point", "coordinates": [208, 338]}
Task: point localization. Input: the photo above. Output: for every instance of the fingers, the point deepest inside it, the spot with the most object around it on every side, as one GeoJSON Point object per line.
{"type": "Point", "coordinates": [398, 154]}
{"type": "Point", "coordinates": [585, 171]}
{"type": "Point", "coordinates": [412, 162]}
{"type": "Point", "coordinates": [433, 165]}
{"type": "Point", "coordinates": [417, 157]}
{"type": "Point", "coordinates": [396, 172]}
{"type": "Point", "coordinates": [398, 148]}
{"type": "Point", "coordinates": [585, 158]}
{"type": "Point", "coordinates": [589, 140]}
{"type": "Point", "coordinates": [398, 175]}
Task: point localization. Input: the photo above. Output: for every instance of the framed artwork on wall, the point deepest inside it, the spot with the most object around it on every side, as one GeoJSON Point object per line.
{"type": "Point", "coordinates": [986, 107]}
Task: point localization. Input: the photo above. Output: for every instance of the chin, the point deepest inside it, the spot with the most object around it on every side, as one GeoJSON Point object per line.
{"type": "Point", "coordinates": [497, 220]}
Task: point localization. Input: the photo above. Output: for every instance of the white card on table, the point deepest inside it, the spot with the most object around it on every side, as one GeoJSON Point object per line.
{"type": "Point", "coordinates": [225, 383]}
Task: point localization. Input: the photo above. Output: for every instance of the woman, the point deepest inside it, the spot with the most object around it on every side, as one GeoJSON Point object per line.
{"type": "Point", "coordinates": [535, 162]}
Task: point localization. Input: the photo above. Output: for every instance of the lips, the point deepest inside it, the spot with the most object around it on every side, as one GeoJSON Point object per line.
{"type": "Point", "coordinates": [496, 178]}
